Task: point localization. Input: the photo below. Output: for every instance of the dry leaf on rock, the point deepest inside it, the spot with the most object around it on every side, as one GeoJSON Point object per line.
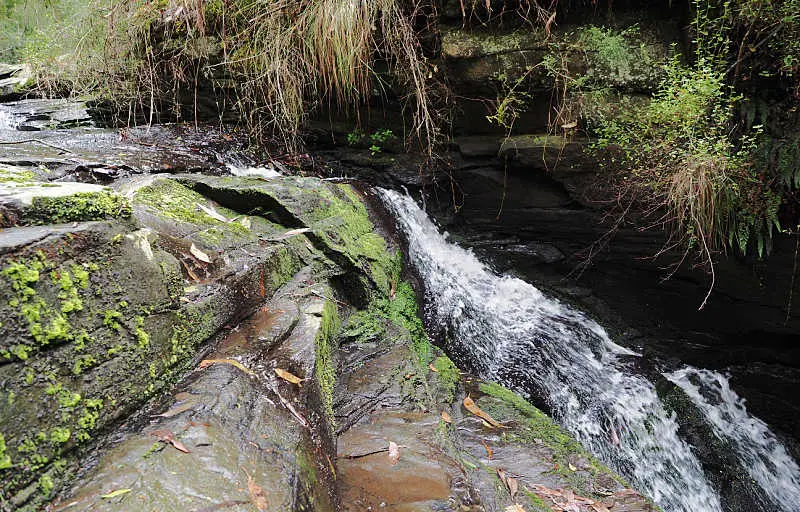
{"type": "Point", "coordinates": [199, 255]}
{"type": "Point", "coordinates": [488, 451]}
{"type": "Point", "coordinates": [205, 363]}
{"type": "Point", "coordinates": [469, 405]}
{"type": "Point", "coordinates": [516, 507]}
{"type": "Point", "coordinates": [433, 368]}
{"type": "Point", "coordinates": [114, 494]}
{"type": "Point", "coordinates": [289, 377]}
{"type": "Point", "coordinates": [394, 452]}
{"type": "Point", "coordinates": [257, 495]}
{"type": "Point", "coordinates": [513, 487]}
{"type": "Point", "coordinates": [212, 213]}
{"type": "Point", "coordinates": [446, 417]}
{"type": "Point", "coordinates": [167, 437]}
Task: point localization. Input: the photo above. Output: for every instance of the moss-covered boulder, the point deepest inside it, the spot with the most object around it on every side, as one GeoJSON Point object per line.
{"type": "Point", "coordinates": [99, 316]}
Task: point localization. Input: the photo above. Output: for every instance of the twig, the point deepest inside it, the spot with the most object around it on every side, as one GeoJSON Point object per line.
{"type": "Point", "coordinates": [37, 141]}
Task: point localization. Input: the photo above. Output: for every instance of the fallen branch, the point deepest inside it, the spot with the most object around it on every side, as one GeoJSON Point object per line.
{"type": "Point", "coordinates": [36, 141]}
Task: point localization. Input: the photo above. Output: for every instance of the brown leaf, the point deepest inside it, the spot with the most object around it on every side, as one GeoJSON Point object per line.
{"type": "Point", "coordinates": [167, 437]}
{"type": "Point", "coordinates": [179, 446]}
{"type": "Point", "coordinates": [569, 126]}
{"type": "Point", "coordinates": [433, 368]}
{"type": "Point", "coordinates": [393, 289]}
{"type": "Point", "coordinates": [501, 473]}
{"type": "Point", "coordinates": [289, 377]}
{"type": "Point", "coordinates": [469, 404]}
{"type": "Point", "coordinates": [199, 255]}
{"type": "Point", "coordinates": [446, 417]}
{"type": "Point", "coordinates": [257, 495]}
{"type": "Point", "coordinates": [513, 487]}
{"type": "Point", "coordinates": [394, 453]}
{"type": "Point", "coordinates": [205, 363]}
{"type": "Point", "coordinates": [516, 507]}
{"type": "Point", "coordinates": [488, 451]}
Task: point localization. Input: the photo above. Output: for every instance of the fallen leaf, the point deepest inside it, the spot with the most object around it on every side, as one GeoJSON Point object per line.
{"type": "Point", "coordinates": [488, 451]}
{"type": "Point", "coordinates": [393, 289]}
{"type": "Point", "coordinates": [433, 368]}
{"type": "Point", "coordinates": [189, 271]}
{"type": "Point", "coordinates": [569, 126]}
{"type": "Point", "coordinates": [513, 487]}
{"type": "Point", "coordinates": [501, 473]}
{"type": "Point", "coordinates": [245, 221]}
{"type": "Point", "coordinates": [205, 363]}
{"type": "Point", "coordinates": [394, 452]}
{"type": "Point", "coordinates": [446, 417]}
{"type": "Point", "coordinates": [572, 467]}
{"type": "Point", "coordinates": [212, 213]}
{"type": "Point", "coordinates": [114, 494]}
{"type": "Point", "coordinates": [179, 446]}
{"type": "Point", "coordinates": [516, 507]}
{"type": "Point", "coordinates": [289, 377]}
{"type": "Point", "coordinates": [167, 437]}
{"type": "Point", "coordinates": [291, 233]}
{"type": "Point", "coordinates": [257, 495]}
{"type": "Point", "coordinates": [469, 404]}
{"type": "Point", "coordinates": [200, 255]}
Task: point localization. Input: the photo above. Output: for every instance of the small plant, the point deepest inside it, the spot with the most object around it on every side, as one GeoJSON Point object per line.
{"type": "Point", "coordinates": [374, 149]}
{"type": "Point", "coordinates": [355, 136]}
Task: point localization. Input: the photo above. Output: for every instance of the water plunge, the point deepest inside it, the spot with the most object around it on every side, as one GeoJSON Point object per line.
{"type": "Point", "coordinates": [509, 331]}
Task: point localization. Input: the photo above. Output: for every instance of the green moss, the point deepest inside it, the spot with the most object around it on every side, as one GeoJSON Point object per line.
{"type": "Point", "coordinates": [142, 338]}
{"type": "Point", "coordinates": [325, 366]}
{"type": "Point", "coordinates": [46, 484]}
{"type": "Point", "coordinates": [111, 319]}
{"type": "Point", "coordinates": [447, 376]}
{"type": "Point", "coordinates": [83, 206]}
{"type": "Point", "coordinates": [83, 363]}
{"type": "Point", "coordinates": [5, 459]}
{"type": "Point", "coordinates": [173, 201]}
{"type": "Point", "coordinates": [12, 175]}
{"type": "Point", "coordinates": [60, 435]}
{"type": "Point", "coordinates": [536, 427]}
{"type": "Point", "coordinates": [345, 220]}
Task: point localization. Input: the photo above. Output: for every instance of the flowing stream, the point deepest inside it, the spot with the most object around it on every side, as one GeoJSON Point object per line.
{"type": "Point", "coordinates": [763, 456]}
{"type": "Point", "coordinates": [509, 331]}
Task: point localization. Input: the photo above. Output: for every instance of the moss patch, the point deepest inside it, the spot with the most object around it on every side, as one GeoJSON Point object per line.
{"type": "Point", "coordinates": [325, 365]}
{"type": "Point", "coordinates": [536, 427]}
{"type": "Point", "coordinates": [83, 206]}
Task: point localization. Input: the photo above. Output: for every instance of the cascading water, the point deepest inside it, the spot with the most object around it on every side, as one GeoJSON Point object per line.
{"type": "Point", "coordinates": [762, 455]}
{"type": "Point", "coordinates": [512, 333]}
{"type": "Point", "coordinates": [7, 121]}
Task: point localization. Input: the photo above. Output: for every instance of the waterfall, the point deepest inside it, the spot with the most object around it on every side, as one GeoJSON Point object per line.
{"type": "Point", "coordinates": [514, 334]}
{"type": "Point", "coordinates": [7, 121]}
{"type": "Point", "coordinates": [762, 455]}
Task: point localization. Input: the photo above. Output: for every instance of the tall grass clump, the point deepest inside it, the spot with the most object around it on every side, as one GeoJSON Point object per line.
{"type": "Point", "coordinates": [271, 63]}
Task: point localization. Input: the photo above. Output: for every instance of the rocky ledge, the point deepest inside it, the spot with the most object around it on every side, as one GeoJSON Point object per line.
{"type": "Point", "coordinates": [200, 342]}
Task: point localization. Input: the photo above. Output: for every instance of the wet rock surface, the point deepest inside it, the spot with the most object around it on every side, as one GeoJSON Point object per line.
{"type": "Point", "coordinates": [234, 423]}
{"type": "Point", "coordinates": [446, 458]}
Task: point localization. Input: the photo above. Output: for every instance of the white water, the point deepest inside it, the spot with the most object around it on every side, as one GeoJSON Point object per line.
{"type": "Point", "coordinates": [7, 121]}
{"type": "Point", "coordinates": [762, 455]}
{"type": "Point", "coordinates": [512, 333]}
